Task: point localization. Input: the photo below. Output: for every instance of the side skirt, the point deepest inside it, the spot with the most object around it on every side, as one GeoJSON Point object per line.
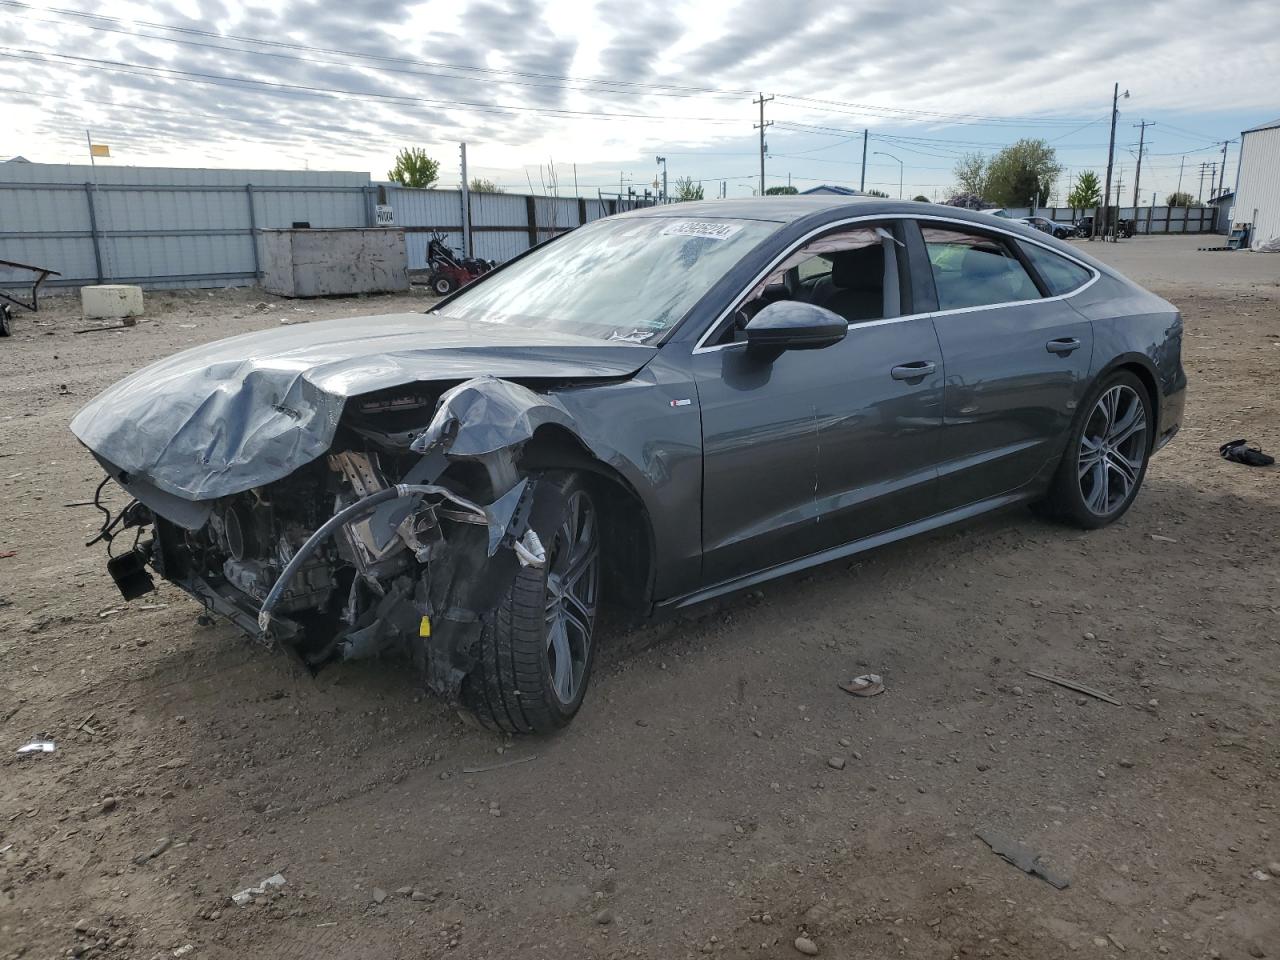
{"type": "Point", "coordinates": [927, 525]}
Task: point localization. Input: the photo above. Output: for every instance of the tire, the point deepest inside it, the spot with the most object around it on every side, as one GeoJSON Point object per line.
{"type": "Point", "coordinates": [1106, 458]}
{"type": "Point", "coordinates": [5, 318]}
{"type": "Point", "coordinates": [536, 653]}
{"type": "Point", "coordinates": [443, 285]}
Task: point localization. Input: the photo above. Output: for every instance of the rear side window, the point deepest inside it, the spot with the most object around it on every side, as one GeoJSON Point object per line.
{"type": "Point", "coordinates": [1060, 274]}
{"type": "Point", "coordinates": [971, 270]}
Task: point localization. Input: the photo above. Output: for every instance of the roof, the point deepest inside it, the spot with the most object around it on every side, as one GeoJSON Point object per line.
{"type": "Point", "coordinates": [1264, 126]}
{"type": "Point", "coordinates": [828, 188]}
{"type": "Point", "coordinates": [782, 209]}
{"type": "Point", "coordinates": [1229, 195]}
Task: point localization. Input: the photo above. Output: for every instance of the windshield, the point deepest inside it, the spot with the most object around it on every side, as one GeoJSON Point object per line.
{"type": "Point", "coordinates": [628, 279]}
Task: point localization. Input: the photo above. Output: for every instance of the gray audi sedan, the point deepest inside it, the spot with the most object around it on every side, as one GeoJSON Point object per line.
{"type": "Point", "coordinates": [650, 411]}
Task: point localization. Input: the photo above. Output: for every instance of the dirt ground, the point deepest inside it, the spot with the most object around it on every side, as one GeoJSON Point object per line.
{"type": "Point", "coordinates": [692, 808]}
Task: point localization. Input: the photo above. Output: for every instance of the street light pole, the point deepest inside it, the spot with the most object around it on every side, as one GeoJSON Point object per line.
{"type": "Point", "coordinates": [881, 153]}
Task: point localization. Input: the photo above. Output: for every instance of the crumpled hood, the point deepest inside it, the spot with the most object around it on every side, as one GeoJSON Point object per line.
{"type": "Point", "coordinates": [228, 416]}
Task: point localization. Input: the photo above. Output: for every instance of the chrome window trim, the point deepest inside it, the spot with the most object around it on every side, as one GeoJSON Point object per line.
{"type": "Point", "coordinates": [701, 347]}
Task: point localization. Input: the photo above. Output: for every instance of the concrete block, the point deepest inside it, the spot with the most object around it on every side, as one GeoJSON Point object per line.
{"type": "Point", "coordinates": [111, 300]}
{"type": "Point", "coordinates": [334, 262]}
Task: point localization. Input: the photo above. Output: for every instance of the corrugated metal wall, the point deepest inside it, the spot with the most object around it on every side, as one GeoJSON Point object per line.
{"type": "Point", "coordinates": [1258, 183]}
{"type": "Point", "coordinates": [172, 227]}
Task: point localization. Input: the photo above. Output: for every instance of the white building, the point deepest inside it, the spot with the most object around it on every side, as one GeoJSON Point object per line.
{"type": "Point", "coordinates": [1257, 198]}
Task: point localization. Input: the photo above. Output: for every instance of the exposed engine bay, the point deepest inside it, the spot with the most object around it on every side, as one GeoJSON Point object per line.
{"type": "Point", "coordinates": [399, 538]}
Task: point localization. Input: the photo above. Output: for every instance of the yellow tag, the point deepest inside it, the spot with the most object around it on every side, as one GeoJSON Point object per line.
{"type": "Point", "coordinates": [424, 628]}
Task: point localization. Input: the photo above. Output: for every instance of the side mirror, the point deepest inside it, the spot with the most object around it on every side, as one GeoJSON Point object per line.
{"type": "Point", "coordinates": [792, 325]}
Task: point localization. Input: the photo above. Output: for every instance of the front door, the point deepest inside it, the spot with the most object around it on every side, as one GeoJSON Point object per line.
{"type": "Point", "coordinates": [819, 447]}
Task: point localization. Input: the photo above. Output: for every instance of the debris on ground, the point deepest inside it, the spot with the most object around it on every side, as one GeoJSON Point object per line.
{"type": "Point", "coordinates": [499, 766]}
{"type": "Point", "coordinates": [38, 746]}
{"type": "Point", "coordinates": [245, 896]}
{"type": "Point", "coordinates": [867, 685]}
{"type": "Point", "coordinates": [160, 847]}
{"type": "Point", "coordinates": [1077, 687]}
{"type": "Point", "coordinates": [1021, 857]}
{"type": "Point", "coordinates": [1239, 451]}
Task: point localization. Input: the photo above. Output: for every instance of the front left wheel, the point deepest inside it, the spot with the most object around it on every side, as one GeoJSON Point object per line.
{"type": "Point", "coordinates": [537, 651]}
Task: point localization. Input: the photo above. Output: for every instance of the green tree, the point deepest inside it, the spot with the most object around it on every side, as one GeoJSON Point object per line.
{"type": "Point", "coordinates": [971, 174]}
{"type": "Point", "coordinates": [414, 168]}
{"type": "Point", "coordinates": [686, 189]}
{"type": "Point", "coordinates": [921, 198]}
{"type": "Point", "coordinates": [1180, 198]}
{"type": "Point", "coordinates": [1087, 193]}
{"type": "Point", "coordinates": [781, 191]}
{"type": "Point", "coordinates": [1021, 172]}
{"type": "Point", "coordinates": [875, 193]}
{"type": "Point", "coordinates": [481, 185]}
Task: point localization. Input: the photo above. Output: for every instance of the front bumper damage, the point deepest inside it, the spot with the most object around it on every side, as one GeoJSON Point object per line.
{"type": "Point", "coordinates": [426, 562]}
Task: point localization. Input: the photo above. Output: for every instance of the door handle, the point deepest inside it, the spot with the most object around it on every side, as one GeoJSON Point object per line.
{"type": "Point", "coordinates": [913, 371]}
{"type": "Point", "coordinates": [1062, 345]}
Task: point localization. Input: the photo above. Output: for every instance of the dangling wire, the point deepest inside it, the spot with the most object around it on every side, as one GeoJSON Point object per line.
{"type": "Point", "coordinates": [109, 522]}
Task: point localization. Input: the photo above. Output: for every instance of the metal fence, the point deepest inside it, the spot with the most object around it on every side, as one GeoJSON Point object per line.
{"type": "Point", "coordinates": [1154, 220]}
{"type": "Point", "coordinates": [166, 227]}
{"type": "Point", "coordinates": [162, 227]}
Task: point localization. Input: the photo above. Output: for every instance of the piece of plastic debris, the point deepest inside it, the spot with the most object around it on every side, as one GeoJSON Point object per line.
{"type": "Point", "coordinates": [38, 746]}
{"type": "Point", "coordinates": [530, 551]}
{"type": "Point", "coordinates": [867, 685]}
{"type": "Point", "coordinates": [1239, 451]}
{"type": "Point", "coordinates": [1021, 857]}
{"type": "Point", "coordinates": [6, 554]}
{"type": "Point", "coordinates": [245, 896]}
{"type": "Point", "coordinates": [1159, 538]}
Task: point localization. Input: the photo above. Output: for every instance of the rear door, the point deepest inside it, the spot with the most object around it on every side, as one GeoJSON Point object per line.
{"type": "Point", "coordinates": [1016, 356]}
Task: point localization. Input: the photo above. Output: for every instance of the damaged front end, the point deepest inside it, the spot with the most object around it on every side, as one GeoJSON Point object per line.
{"type": "Point", "coordinates": [402, 537]}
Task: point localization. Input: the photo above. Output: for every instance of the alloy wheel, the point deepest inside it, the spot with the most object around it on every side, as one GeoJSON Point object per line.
{"type": "Point", "coordinates": [573, 576]}
{"type": "Point", "coordinates": [1113, 447]}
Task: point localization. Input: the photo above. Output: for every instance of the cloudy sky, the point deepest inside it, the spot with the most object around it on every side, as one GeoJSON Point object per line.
{"type": "Point", "coordinates": [536, 87]}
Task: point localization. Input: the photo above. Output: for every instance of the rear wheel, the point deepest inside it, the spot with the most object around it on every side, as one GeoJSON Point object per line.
{"type": "Point", "coordinates": [443, 285]}
{"type": "Point", "coordinates": [536, 656]}
{"type": "Point", "coordinates": [1106, 458]}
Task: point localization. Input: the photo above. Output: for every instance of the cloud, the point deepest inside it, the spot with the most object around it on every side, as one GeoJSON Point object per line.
{"type": "Point", "coordinates": [993, 58]}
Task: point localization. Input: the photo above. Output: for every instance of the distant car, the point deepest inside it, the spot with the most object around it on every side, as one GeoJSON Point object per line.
{"type": "Point", "coordinates": [1045, 225]}
{"type": "Point", "coordinates": [654, 409]}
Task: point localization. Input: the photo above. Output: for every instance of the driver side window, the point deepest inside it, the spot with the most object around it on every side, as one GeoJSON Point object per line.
{"type": "Point", "coordinates": [843, 272]}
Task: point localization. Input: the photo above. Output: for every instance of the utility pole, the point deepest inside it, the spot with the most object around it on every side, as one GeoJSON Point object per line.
{"type": "Point", "coordinates": [862, 182]}
{"type": "Point", "coordinates": [1137, 174]}
{"type": "Point", "coordinates": [1213, 172]}
{"type": "Point", "coordinates": [466, 207]}
{"type": "Point", "coordinates": [1180, 163]}
{"type": "Point", "coordinates": [663, 161]}
{"type": "Point", "coordinates": [1223, 172]}
{"type": "Point", "coordinates": [761, 125]}
{"type": "Point", "coordinates": [1200, 189]}
{"type": "Point", "coordinates": [1111, 156]}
